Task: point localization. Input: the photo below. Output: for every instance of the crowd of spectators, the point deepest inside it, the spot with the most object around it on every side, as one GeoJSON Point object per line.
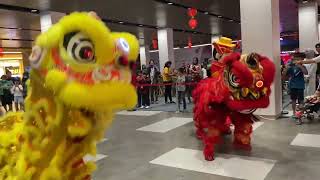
{"type": "Point", "coordinates": [176, 82]}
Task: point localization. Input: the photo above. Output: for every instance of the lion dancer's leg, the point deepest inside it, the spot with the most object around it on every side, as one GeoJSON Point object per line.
{"type": "Point", "coordinates": [213, 136]}
{"type": "Point", "coordinates": [226, 129]}
{"type": "Point", "coordinates": [200, 132]}
{"type": "Point", "coordinates": [200, 122]}
{"type": "Point", "coordinates": [243, 131]}
{"type": "Point", "coordinates": [210, 140]}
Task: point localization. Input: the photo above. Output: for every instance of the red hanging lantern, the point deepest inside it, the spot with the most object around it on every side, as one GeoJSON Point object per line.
{"type": "Point", "coordinates": [193, 23]}
{"type": "Point", "coordinates": [1, 52]}
{"type": "Point", "coordinates": [155, 44]}
{"type": "Point", "coordinates": [154, 41]}
{"type": "Point", "coordinates": [192, 12]}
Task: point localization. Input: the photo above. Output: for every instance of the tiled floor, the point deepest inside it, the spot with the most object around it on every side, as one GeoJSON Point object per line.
{"type": "Point", "coordinates": [166, 124]}
{"type": "Point", "coordinates": [137, 151]}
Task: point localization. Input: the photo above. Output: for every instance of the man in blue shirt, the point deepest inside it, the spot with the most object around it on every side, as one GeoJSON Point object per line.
{"type": "Point", "coordinates": [295, 72]}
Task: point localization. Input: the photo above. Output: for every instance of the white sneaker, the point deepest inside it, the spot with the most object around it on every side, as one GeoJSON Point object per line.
{"type": "Point", "coordinates": [141, 107]}
{"type": "Point", "coordinates": [147, 107]}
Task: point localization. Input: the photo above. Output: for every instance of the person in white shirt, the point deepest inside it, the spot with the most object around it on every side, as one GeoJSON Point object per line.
{"type": "Point", "coordinates": [313, 60]}
{"type": "Point", "coordinates": [204, 71]}
{"type": "Point", "coordinates": [310, 79]}
{"type": "Point", "coordinates": [17, 91]}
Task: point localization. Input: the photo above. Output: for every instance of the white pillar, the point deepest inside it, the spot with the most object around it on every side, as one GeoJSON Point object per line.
{"type": "Point", "coordinates": [48, 18]}
{"type": "Point", "coordinates": [260, 28]}
{"type": "Point", "coordinates": [165, 44]}
{"type": "Point", "coordinates": [308, 38]}
{"type": "Point", "coordinates": [308, 25]}
{"type": "Point", "coordinates": [144, 55]}
{"type": "Point", "coordinates": [319, 31]}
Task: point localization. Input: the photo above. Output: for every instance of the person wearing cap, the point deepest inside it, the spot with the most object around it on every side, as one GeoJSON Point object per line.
{"type": "Point", "coordinates": [223, 47]}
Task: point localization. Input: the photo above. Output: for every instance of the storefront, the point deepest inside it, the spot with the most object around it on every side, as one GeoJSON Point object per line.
{"type": "Point", "coordinates": [13, 62]}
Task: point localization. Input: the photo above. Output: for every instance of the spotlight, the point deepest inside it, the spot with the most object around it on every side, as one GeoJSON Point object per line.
{"type": "Point", "coordinates": [34, 10]}
{"type": "Point", "coordinates": [230, 20]}
{"type": "Point", "coordinates": [206, 13]}
{"type": "Point", "coordinates": [305, 1]}
{"type": "Point", "coordinates": [219, 16]}
{"type": "Point", "coordinates": [121, 22]}
{"type": "Point", "coordinates": [140, 25]}
{"type": "Point", "coordinates": [170, 3]}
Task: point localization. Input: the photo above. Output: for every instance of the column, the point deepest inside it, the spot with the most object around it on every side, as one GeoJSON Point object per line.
{"type": "Point", "coordinates": [319, 30]}
{"type": "Point", "coordinates": [144, 55]}
{"type": "Point", "coordinates": [48, 18]}
{"type": "Point", "coordinates": [260, 29]}
{"type": "Point", "coordinates": [308, 25]}
{"type": "Point", "coordinates": [165, 44]}
{"type": "Point", "coordinates": [308, 37]}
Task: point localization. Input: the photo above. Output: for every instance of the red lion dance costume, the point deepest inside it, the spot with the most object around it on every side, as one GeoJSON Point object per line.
{"type": "Point", "coordinates": [238, 86]}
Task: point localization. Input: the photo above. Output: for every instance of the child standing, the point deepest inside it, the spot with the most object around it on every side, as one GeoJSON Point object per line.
{"type": "Point", "coordinates": [296, 72]}
{"type": "Point", "coordinates": [143, 90]}
{"type": "Point", "coordinates": [181, 88]}
{"type": "Point", "coordinates": [17, 91]}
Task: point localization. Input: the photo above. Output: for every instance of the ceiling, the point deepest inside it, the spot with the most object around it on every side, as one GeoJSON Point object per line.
{"type": "Point", "coordinates": [19, 27]}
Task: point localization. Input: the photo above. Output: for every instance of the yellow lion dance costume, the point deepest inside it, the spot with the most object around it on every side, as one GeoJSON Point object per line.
{"type": "Point", "coordinates": [80, 75]}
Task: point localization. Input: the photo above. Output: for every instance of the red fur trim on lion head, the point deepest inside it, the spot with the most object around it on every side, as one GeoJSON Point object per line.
{"type": "Point", "coordinates": [269, 71]}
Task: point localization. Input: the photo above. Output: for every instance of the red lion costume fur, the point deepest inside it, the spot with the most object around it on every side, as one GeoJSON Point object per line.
{"type": "Point", "coordinates": [238, 86]}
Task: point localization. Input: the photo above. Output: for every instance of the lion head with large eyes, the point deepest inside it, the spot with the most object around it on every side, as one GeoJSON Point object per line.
{"type": "Point", "coordinates": [86, 65]}
{"type": "Point", "coordinates": [242, 83]}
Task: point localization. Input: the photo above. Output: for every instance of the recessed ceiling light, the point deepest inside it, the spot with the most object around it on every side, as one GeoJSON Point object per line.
{"type": "Point", "coordinates": [140, 25]}
{"type": "Point", "coordinates": [170, 3]}
{"type": "Point", "coordinates": [231, 20]}
{"type": "Point", "coordinates": [121, 22]}
{"type": "Point", "coordinates": [206, 12]}
{"type": "Point", "coordinates": [219, 16]}
{"type": "Point", "coordinates": [34, 10]}
{"type": "Point", "coordinates": [305, 1]}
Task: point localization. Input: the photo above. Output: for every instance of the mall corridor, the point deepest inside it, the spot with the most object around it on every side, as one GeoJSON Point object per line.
{"type": "Point", "coordinates": [125, 90]}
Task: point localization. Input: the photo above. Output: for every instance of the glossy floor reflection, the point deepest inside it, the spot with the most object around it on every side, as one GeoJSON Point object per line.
{"type": "Point", "coordinates": [146, 155]}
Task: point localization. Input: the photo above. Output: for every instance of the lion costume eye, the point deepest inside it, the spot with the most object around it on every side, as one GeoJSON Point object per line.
{"type": "Point", "coordinates": [79, 47]}
{"type": "Point", "coordinates": [123, 46]}
{"type": "Point", "coordinates": [233, 80]}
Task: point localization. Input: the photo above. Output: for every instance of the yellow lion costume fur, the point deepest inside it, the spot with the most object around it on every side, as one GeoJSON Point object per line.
{"type": "Point", "coordinates": [81, 74]}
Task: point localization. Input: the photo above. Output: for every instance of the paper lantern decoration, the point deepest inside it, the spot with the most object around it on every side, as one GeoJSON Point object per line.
{"type": "Point", "coordinates": [193, 23]}
{"type": "Point", "coordinates": [1, 52]}
{"type": "Point", "coordinates": [192, 12]}
{"type": "Point", "coordinates": [155, 44]}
